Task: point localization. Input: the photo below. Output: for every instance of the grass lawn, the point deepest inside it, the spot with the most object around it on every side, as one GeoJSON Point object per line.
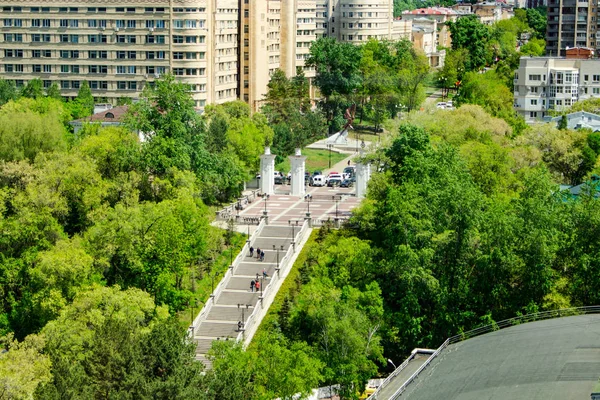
{"type": "Point", "coordinates": [316, 160]}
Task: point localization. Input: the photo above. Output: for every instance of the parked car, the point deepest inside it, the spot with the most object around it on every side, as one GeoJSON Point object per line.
{"type": "Point", "coordinates": [278, 178]}
{"type": "Point", "coordinates": [334, 180]}
{"type": "Point", "coordinates": [441, 105]}
{"type": "Point", "coordinates": [349, 172]}
{"type": "Point", "coordinates": [348, 183]}
{"type": "Point", "coordinates": [318, 180]}
{"type": "Point", "coordinates": [307, 178]}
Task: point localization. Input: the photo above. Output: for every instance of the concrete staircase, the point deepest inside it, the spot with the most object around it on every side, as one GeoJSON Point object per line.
{"type": "Point", "coordinates": [219, 319]}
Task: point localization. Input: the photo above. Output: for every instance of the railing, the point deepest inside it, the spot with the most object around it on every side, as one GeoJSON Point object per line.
{"type": "Point", "coordinates": [524, 319]}
{"type": "Point", "coordinates": [250, 325]}
{"type": "Point", "coordinates": [332, 221]}
{"type": "Point", "coordinates": [481, 331]}
{"type": "Point", "coordinates": [223, 283]}
{"type": "Point", "coordinates": [229, 211]}
{"type": "Point", "coordinates": [417, 372]}
{"type": "Point", "coordinates": [391, 376]}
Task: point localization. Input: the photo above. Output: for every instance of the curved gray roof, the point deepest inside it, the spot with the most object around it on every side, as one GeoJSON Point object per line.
{"type": "Point", "coordinates": [554, 359]}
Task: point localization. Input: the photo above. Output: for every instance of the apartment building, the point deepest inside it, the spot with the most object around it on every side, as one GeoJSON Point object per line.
{"type": "Point", "coordinates": [551, 83]}
{"type": "Point", "coordinates": [571, 23]}
{"type": "Point", "coordinates": [118, 48]}
{"type": "Point", "coordinates": [441, 15]}
{"type": "Point", "coordinates": [224, 49]}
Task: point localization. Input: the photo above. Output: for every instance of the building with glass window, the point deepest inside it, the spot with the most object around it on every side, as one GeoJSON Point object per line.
{"type": "Point", "coordinates": [224, 49]}
{"type": "Point", "coordinates": [547, 83]}
{"type": "Point", "coordinates": [119, 48]}
{"type": "Point", "coordinates": [571, 24]}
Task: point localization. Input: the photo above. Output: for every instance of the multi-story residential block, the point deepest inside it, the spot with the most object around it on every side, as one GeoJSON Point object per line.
{"type": "Point", "coordinates": [121, 47]}
{"type": "Point", "coordinates": [547, 83]}
{"type": "Point", "coordinates": [571, 23]}
{"type": "Point", "coordinates": [224, 49]}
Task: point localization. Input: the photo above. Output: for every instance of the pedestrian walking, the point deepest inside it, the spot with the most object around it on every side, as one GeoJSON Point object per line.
{"type": "Point", "coordinates": [257, 276]}
{"type": "Point", "coordinates": [258, 253]}
{"type": "Point", "coordinates": [262, 255]}
{"type": "Point", "coordinates": [251, 251]}
{"type": "Point", "coordinates": [252, 285]}
{"type": "Point", "coordinates": [264, 273]}
{"type": "Point", "coordinates": [257, 286]}
{"type": "Point", "coordinates": [348, 162]}
{"type": "Point", "coordinates": [240, 326]}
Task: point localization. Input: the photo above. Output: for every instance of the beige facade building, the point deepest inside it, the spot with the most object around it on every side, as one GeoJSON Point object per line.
{"type": "Point", "coordinates": [224, 49]}
{"type": "Point", "coordinates": [119, 47]}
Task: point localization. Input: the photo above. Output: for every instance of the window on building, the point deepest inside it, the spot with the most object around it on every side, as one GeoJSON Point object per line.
{"type": "Point", "coordinates": [596, 78]}
{"type": "Point", "coordinates": [47, 69]}
{"type": "Point", "coordinates": [534, 102]}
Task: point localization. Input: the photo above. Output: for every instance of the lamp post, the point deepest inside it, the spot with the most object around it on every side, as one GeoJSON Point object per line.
{"type": "Point", "coordinates": [231, 258]}
{"type": "Point", "coordinates": [293, 233]}
{"type": "Point", "coordinates": [277, 249]}
{"type": "Point", "coordinates": [243, 322]}
{"type": "Point", "coordinates": [265, 213]}
{"type": "Point", "coordinates": [329, 146]}
{"type": "Point", "coordinates": [336, 200]}
{"type": "Point", "coordinates": [308, 199]}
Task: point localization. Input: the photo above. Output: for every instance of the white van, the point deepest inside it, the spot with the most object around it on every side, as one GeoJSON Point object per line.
{"type": "Point", "coordinates": [318, 180]}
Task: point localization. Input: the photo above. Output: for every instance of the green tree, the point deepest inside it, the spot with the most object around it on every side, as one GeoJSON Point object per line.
{"type": "Point", "coordinates": [469, 33]}
{"type": "Point", "coordinates": [33, 89]}
{"type": "Point", "coordinates": [85, 99]}
{"type": "Point", "coordinates": [8, 91]}
{"type": "Point", "coordinates": [23, 366]}
{"type": "Point", "coordinates": [31, 126]}
{"type": "Point", "coordinates": [54, 92]}
{"type": "Point", "coordinates": [536, 19]}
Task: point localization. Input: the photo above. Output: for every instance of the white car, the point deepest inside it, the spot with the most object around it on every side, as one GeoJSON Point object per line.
{"type": "Point", "coordinates": [318, 180]}
{"type": "Point", "coordinates": [441, 105]}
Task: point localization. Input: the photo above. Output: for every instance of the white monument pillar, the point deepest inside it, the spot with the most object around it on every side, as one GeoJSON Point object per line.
{"type": "Point", "coordinates": [267, 172]}
{"type": "Point", "coordinates": [363, 174]}
{"type": "Point", "coordinates": [298, 185]}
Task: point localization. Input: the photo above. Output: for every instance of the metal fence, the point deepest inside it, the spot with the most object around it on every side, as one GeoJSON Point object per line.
{"type": "Point", "coordinates": [232, 210]}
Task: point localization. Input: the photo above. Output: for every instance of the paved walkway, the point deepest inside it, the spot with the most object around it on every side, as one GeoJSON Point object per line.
{"type": "Point", "coordinates": [222, 321]}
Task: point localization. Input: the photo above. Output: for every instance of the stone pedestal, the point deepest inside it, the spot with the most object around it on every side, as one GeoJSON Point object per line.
{"type": "Point", "coordinates": [297, 185]}
{"type": "Point", "coordinates": [267, 172]}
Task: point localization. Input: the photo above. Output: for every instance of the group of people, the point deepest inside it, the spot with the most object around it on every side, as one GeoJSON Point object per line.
{"type": "Point", "coordinates": [255, 283]}
{"type": "Point", "coordinates": [260, 255]}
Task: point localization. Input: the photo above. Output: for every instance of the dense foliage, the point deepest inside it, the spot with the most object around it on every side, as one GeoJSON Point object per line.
{"type": "Point", "coordinates": [380, 77]}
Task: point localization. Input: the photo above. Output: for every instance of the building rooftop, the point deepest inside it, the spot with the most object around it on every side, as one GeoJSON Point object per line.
{"type": "Point", "coordinates": [553, 359]}
{"type": "Point", "coordinates": [431, 11]}
{"type": "Point", "coordinates": [115, 114]}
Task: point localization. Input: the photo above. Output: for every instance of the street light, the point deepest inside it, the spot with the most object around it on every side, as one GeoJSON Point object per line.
{"type": "Point", "coordinates": [336, 199]}
{"type": "Point", "coordinates": [242, 323]}
{"type": "Point", "coordinates": [275, 248]}
{"type": "Point", "coordinates": [329, 146]}
{"type": "Point", "coordinates": [391, 362]}
{"type": "Point", "coordinates": [293, 233]}
{"type": "Point", "coordinates": [308, 199]}
{"type": "Point", "coordinates": [266, 197]}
